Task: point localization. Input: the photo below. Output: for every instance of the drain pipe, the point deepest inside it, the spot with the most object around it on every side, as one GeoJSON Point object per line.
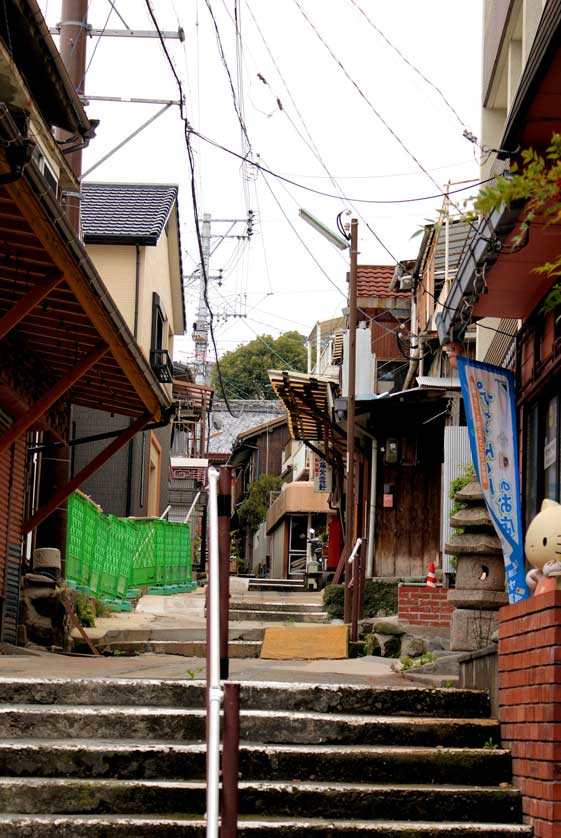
{"type": "Point", "coordinates": [371, 544]}
{"type": "Point", "coordinates": [214, 691]}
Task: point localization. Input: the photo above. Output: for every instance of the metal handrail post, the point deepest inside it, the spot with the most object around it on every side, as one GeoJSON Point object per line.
{"type": "Point", "coordinates": [214, 691]}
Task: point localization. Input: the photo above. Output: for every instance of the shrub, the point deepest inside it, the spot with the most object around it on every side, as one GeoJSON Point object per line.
{"type": "Point", "coordinates": [380, 598]}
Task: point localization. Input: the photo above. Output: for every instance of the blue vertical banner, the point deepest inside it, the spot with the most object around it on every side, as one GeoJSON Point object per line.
{"type": "Point", "coordinates": [490, 407]}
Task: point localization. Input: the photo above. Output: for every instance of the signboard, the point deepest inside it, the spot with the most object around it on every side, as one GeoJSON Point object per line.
{"type": "Point", "coordinates": [322, 475]}
{"type": "Point", "coordinates": [490, 405]}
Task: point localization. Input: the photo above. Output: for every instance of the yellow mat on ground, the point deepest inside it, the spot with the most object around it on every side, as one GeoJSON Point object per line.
{"type": "Point", "coordinates": [305, 643]}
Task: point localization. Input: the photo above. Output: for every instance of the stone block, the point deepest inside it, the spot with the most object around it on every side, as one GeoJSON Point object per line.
{"type": "Point", "coordinates": [471, 516]}
{"type": "Point", "coordinates": [412, 647]}
{"type": "Point", "coordinates": [488, 600]}
{"type": "Point", "coordinates": [471, 629]}
{"type": "Point", "coordinates": [388, 627]}
{"type": "Point", "coordinates": [470, 569]}
{"type": "Point", "coordinates": [471, 493]}
{"type": "Point", "coordinates": [472, 543]}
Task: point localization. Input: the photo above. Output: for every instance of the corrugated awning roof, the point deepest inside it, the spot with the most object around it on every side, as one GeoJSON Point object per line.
{"type": "Point", "coordinates": [306, 398]}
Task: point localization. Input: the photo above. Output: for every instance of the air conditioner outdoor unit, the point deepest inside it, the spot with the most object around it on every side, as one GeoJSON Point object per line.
{"type": "Point", "coordinates": [406, 283]}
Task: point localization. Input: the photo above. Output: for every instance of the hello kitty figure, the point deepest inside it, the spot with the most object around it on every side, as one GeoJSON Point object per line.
{"type": "Point", "coordinates": [543, 549]}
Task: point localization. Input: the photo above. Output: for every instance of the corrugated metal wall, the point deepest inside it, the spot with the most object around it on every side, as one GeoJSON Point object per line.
{"type": "Point", "coordinates": [457, 455]}
{"type": "Point", "coordinates": [12, 493]}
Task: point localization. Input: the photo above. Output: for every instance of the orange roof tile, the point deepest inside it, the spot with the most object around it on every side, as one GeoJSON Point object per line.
{"type": "Point", "coordinates": [374, 281]}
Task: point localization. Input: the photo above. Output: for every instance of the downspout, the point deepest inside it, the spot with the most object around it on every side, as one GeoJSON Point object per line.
{"type": "Point", "coordinates": [130, 457]}
{"type": "Point", "coordinates": [371, 543]}
{"type": "Point", "coordinates": [413, 353]}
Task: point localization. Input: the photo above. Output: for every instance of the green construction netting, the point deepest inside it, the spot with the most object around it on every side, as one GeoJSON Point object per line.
{"type": "Point", "coordinates": [109, 555]}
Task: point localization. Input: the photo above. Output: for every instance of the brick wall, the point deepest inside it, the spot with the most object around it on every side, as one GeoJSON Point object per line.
{"type": "Point", "coordinates": [422, 606]}
{"type": "Point", "coordinates": [530, 705]}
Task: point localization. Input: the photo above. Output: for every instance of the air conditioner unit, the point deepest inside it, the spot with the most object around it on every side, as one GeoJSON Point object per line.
{"type": "Point", "coordinates": [405, 283]}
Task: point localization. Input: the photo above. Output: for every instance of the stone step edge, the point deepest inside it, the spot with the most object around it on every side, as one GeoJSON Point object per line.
{"type": "Point", "coordinates": [255, 825]}
{"type": "Point", "coordinates": [135, 710]}
{"type": "Point", "coordinates": [262, 786]}
{"type": "Point", "coordinates": [151, 746]}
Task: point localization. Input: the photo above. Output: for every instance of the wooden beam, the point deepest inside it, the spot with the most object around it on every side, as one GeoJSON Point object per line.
{"type": "Point", "coordinates": [65, 491]}
{"type": "Point", "coordinates": [42, 226]}
{"type": "Point", "coordinates": [27, 303]}
{"type": "Point", "coordinates": [51, 396]}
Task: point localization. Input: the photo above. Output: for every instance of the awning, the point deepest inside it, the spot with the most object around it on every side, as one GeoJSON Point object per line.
{"type": "Point", "coordinates": [306, 398]}
{"type": "Point", "coordinates": [56, 312]}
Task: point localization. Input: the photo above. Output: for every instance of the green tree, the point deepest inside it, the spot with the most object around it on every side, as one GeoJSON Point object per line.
{"type": "Point", "coordinates": [244, 370]}
{"type": "Point", "coordinates": [253, 510]}
{"type": "Point", "coordinates": [537, 184]}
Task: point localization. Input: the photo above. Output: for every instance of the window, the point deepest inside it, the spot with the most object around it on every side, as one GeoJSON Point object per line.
{"type": "Point", "coordinates": [160, 360]}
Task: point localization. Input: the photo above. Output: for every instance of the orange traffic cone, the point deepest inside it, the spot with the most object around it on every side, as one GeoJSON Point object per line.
{"type": "Point", "coordinates": [431, 578]}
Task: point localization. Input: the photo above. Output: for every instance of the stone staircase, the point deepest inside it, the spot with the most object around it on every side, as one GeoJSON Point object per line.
{"type": "Point", "coordinates": [287, 610]}
{"type": "Point", "coordinates": [294, 585]}
{"type": "Point", "coordinates": [105, 758]}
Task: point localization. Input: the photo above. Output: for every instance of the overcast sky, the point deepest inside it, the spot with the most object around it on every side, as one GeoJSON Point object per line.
{"type": "Point", "coordinates": [319, 116]}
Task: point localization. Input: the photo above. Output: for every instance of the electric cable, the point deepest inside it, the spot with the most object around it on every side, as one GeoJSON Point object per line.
{"type": "Point", "coordinates": [324, 194]}
{"type": "Point", "coordinates": [409, 63]}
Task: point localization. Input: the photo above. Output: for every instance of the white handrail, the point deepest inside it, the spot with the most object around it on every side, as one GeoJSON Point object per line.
{"type": "Point", "coordinates": [358, 542]}
{"type": "Point", "coordinates": [213, 650]}
{"type": "Point", "coordinates": [197, 496]}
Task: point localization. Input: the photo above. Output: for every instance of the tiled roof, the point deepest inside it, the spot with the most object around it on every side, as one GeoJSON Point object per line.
{"type": "Point", "coordinates": [248, 414]}
{"type": "Point", "coordinates": [374, 281]}
{"type": "Point", "coordinates": [125, 213]}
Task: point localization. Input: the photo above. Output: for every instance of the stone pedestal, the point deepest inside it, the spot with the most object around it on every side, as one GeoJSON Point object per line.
{"type": "Point", "coordinates": [44, 616]}
{"type": "Point", "coordinates": [480, 576]}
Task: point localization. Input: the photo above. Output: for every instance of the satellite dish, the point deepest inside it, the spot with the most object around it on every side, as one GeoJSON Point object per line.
{"type": "Point", "coordinates": [217, 423]}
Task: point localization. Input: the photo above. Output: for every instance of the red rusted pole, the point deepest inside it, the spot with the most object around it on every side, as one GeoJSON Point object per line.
{"type": "Point", "coordinates": [224, 516]}
{"type": "Point", "coordinates": [230, 761]}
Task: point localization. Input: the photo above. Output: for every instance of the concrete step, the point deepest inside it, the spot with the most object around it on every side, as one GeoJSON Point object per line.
{"type": "Point", "coordinates": [276, 585]}
{"type": "Point", "coordinates": [164, 634]}
{"type": "Point", "coordinates": [189, 648]}
{"type": "Point", "coordinates": [259, 604]}
{"type": "Point", "coordinates": [260, 616]}
{"type": "Point", "coordinates": [164, 761]}
{"type": "Point", "coordinates": [256, 695]}
{"type": "Point", "coordinates": [265, 726]}
{"type": "Point", "coordinates": [32, 795]}
{"type": "Point", "coordinates": [114, 826]}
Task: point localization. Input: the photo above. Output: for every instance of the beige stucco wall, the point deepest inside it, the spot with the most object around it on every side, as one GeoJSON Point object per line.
{"type": "Point", "coordinates": [297, 497]}
{"type": "Point", "coordinates": [116, 266]}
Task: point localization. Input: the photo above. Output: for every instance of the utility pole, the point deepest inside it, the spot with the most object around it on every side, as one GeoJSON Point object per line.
{"type": "Point", "coordinates": [72, 47]}
{"type": "Point", "coordinates": [55, 467]}
{"type": "Point", "coordinates": [202, 325]}
{"type": "Point", "coordinates": [350, 496]}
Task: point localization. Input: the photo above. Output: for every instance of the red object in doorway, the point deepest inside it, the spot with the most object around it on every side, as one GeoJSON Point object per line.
{"type": "Point", "coordinates": [335, 543]}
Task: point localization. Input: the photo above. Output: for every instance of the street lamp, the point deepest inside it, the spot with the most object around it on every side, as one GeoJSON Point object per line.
{"type": "Point", "coordinates": [343, 244]}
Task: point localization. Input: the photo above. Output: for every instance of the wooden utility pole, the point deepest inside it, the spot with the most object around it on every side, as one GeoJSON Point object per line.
{"type": "Point", "coordinates": [350, 533]}
{"type": "Point", "coordinates": [55, 466]}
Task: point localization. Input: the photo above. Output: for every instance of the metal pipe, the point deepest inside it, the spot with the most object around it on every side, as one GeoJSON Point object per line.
{"type": "Point", "coordinates": [214, 691]}
{"type": "Point", "coordinates": [197, 496]}
{"type": "Point", "coordinates": [230, 761]}
{"type": "Point", "coordinates": [371, 544]}
{"type": "Point", "coordinates": [350, 497]}
{"type": "Point", "coordinates": [165, 513]}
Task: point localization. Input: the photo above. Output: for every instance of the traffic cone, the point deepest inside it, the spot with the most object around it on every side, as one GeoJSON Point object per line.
{"type": "Point", "coordinates": [431, 578]}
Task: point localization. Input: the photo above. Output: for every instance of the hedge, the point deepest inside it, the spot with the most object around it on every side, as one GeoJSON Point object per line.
{"type": "Point", "coordinates": [380, 598]}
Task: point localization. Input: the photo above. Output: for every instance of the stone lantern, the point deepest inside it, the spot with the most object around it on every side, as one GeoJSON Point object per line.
{"type": "Point", "coordinates": [480, 575]}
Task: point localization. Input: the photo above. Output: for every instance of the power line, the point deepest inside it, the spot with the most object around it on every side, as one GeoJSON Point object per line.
{"type": "Point", "coordinates": [292, 182]}
{"type": "Point", "coordinates": [369, 103]}
{"type": "Point", "coordinates": [190, 156]}
{"type": "Point", "coordinates": [409, 63]}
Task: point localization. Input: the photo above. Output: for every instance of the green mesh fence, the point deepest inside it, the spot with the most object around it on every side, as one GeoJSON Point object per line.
{"type": "Point", "coordinates": [109, 555]}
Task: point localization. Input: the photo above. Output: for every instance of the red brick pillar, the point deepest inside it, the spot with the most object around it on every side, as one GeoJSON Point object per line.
{"type": "Point", "coordinates": [530, 705]}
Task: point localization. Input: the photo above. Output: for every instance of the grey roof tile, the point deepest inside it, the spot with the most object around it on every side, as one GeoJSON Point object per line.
{"type": "Point", "coordinates": [225, 429]}
{"type": "Point", "coordinates": [126, 213]}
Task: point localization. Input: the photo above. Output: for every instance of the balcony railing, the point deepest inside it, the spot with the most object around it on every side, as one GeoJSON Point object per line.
{"type": "Point", "coordinates": [161, 364]}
